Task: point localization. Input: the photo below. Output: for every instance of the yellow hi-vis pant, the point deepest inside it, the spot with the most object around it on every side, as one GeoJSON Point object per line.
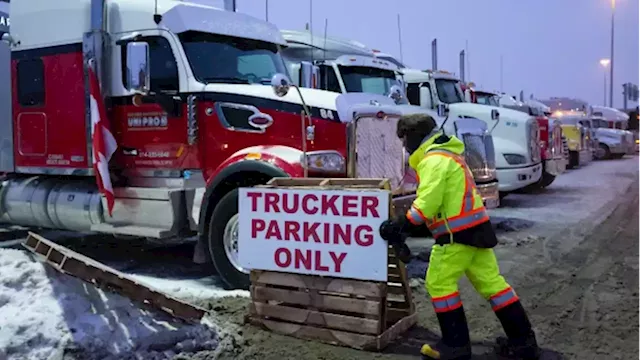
{"type": "Point", "coordinates": [448, 263]}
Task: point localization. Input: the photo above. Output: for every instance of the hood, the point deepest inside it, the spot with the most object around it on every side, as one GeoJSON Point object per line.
{"type": "Point", "coordinates": [347, 103]}
{"type": "Point", "coordinates": [484, 111]}
{"type": "Point", "coordinates": [610, 132]}
{"type": "Point", "coordinates": [454, 145]}
{"type": "Point", "coordinates": [312, 97]}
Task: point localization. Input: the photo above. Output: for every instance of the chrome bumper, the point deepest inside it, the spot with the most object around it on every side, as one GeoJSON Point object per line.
{"type": "Point", "coordinates": [490, 194]}
{"type": "Point", "coordinates": [555, 166]}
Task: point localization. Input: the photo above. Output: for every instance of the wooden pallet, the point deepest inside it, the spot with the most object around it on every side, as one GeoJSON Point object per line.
{"type": "Point", "coordinates": [71, 263]}
{"type": "Point", "coordinates": [365, 315]}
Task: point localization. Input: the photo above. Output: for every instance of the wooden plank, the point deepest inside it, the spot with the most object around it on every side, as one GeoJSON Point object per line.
{"type": "Point", "coordinates": [396, 288]}
{"type": "Point", "coordinates": [393, 314]}
{"type": "Point", "coordinates": [334, 337]}
{"type": "Point", "coordinates": [321, 302]}
{"type": "Point", "coordinates": [286, 181]}
{"type": "Point", "coordinates": [396, 330]}
{"type": "Point", "coordinates": [322, 319]}
{"type": "Point", "coordinates": [71, 263]}
{"type": "Point", "coordinates": [336, 285]}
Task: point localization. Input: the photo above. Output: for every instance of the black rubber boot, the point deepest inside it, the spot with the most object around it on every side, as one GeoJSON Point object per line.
{"type": "Point", "coordinates": [455, 344]}
{"type": "Point", "coordinates": [521, 340]}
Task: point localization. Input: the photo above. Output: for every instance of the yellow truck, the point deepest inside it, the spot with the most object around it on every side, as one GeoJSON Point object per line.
{"type": "Point", "coordinates": [579, 137]}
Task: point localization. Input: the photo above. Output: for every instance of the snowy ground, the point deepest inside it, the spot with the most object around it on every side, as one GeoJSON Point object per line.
{"type": "Point", "coordinates": [42, 312]}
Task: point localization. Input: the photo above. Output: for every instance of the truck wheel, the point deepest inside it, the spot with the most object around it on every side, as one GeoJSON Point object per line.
{"type": "Point", "coordinates": [603, 152]}
{"type": "Point", "coordinates": [574, 159]}
{"type": "Point", "coordinates": [546, 180]}
{"type": "Point", "coordinates": [223, 242]}
{"type": "Point", "coordinates": [503, 195]}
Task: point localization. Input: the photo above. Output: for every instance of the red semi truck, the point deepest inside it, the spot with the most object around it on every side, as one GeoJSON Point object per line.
{"type": "Point", "coordinates": [198, 104]}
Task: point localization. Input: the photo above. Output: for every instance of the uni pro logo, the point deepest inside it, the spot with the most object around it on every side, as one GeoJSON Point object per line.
{"type": "Point", "coordinates": [148, 120]}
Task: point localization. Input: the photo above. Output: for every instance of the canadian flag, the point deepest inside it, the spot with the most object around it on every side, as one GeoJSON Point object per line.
{"type": "Point", "coordinates": [104, 144]}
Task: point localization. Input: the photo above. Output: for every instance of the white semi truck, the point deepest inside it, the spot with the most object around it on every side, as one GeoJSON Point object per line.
{"type": "Point", "coordinates": [345, 66]}
{"type": "Point", "coordinates": [516, 136]}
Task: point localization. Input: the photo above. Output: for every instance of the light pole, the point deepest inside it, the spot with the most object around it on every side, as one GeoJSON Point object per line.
{"type": "Point", "coordinates": [605, 63]}
{"type": "Point", "coordinates": [613, 12]}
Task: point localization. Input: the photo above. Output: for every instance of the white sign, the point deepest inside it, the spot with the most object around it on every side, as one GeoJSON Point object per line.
{"type": "Point", "coordinates": [314, 232]}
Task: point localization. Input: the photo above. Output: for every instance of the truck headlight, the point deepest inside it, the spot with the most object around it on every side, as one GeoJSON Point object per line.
{"type": "Point", "coordinates": [326, 161]}
{"type": "Point", "coordinates": [515, 159]}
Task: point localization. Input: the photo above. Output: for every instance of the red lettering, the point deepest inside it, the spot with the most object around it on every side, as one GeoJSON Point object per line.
{"type": "Point", "coordinates": [254, 199]}
{"type": "Point", "coordinates": [369, 205]}
{"type": "Point", "coordinates": [310, 230]}
{"type": "Point", "coordinates": [349, 205]}
{"type": "Point", "coordinates": [278, 257]}
{"type": "Point", "coordinates": [257, 225]}
{"type": "Point", "coordinates": [329, 203]}
{"type": "Point", "coordinates": [364, 239]}
{"type": "Point", "coordinates": [273, 231]}
{"type": "Point", "coordinates": [291, 229]}
{"type": "Point", "coordinates": [337, 260]}
{"type": "Point", "coordinates": [271, 201]}
{"type": "Point", "coordinates": [319, 266]}
{"type": "Point", "coordinates": [305, 204]}
{"type": "Point", "coordinates": [299, 258]}
{"type": "Point", "coordinates": [342, 233]}
{"type": "Point", "coordinates": [295, 203]}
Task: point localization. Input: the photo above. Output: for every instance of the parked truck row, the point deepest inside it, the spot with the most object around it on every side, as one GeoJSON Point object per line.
{"type": "Point", "coordinates": [144, 118]}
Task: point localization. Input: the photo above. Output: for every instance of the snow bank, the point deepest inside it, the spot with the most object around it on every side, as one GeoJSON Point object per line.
{"type": "Point", "coordinates": [189, 289]}
{"type": "Point", "coordinates": [44, 314]}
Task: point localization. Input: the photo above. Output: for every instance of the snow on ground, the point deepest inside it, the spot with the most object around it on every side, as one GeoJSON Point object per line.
{"type": "Point", "coordinates": [44, 313]}
{"type": "Point", "coordinates": [204, 288]}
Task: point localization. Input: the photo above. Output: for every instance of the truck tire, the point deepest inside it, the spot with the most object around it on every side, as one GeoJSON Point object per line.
{"type": "Point", "coordinates": [603, 152]}
{"type": "Point", "coordinates": [224, 224]}
{"type": "Point", "coordinates": [546, 180]}
{"type": "Point", "coordinates": [574, 159]}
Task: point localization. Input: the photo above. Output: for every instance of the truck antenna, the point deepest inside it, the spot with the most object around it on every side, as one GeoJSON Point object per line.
{"type": "Point", "coordinates": [400, 39]}
{"type": "Point", "coordinates": [324, 47]}
{"type": "Point", "coordinates": [311, 27]}
{"type": "Point", "coordinates": [156, 17]}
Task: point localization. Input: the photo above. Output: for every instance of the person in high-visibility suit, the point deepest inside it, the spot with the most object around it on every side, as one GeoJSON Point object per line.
{"type": "Point", "coordinates": [449, 205]}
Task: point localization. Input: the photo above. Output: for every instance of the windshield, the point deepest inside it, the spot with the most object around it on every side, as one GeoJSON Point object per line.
{"type": "Point", "coordinates": [486, 99]}
{"type": "Point", "coordinates": [225, 59]}
{"type": "Point", "coordinates": [362, 79]}
{"type": "Point", "coordinates": [449, 91]}
{"type": "Point", "coordinates": [600, 123]}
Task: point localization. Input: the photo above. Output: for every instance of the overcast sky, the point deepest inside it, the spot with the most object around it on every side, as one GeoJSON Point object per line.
{"type": "Point", "coordinates": [549, 47]}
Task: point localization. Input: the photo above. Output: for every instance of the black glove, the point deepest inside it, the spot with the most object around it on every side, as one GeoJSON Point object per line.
{"type": "Point", "coordinates": [403, 252]}
{"type": "Point", "coordinates": [396, 230]}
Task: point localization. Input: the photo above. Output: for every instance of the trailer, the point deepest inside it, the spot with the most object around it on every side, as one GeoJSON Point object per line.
{"type": "Point", "coordinates": [144, 118]}
{"type": "Point", "coordinates": [348, 67]}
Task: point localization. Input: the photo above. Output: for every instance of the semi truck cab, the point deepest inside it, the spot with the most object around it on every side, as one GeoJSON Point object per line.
{"type": "Point", "coordinates": [515, 135]}
{"type": "Point", "coordinates": [198, 105]}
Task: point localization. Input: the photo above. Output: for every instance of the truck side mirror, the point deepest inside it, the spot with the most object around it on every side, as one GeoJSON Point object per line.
{"type": "Point", "coordinates": [294, 73]}
{"type": "Point", "coordinates": [495, 115]}
{"type": "Point", "coordinates": [467, 96]}
{"type": "Point", "coordinates": [280, 84]}
{"type": "Point", "coordinates": [425, 97]}
{"type": "Point", "coordinates": [138, 79]}
{"type": "Point", "coordinates": [396, 93]}
{"type": "Point", "coordinates": [309, 75]}
{"type": "Point", "coordinates": [442, 110]}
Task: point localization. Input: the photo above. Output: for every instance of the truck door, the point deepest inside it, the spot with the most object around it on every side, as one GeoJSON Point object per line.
{"type": "Point", "coordinates": [152, 132]}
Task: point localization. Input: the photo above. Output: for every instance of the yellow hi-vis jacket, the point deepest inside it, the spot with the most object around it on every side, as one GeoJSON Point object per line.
{"type": "Point", "coordinates": [447, 198]}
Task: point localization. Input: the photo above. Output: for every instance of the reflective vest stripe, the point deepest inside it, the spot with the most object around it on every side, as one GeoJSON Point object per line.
{"type": "Point", "coordinates": [468, 217]}
{"type": "Point", "coordinates": [505, 297]}
{"type": "Point", "coordinates": [415, 216]}
{"type": "Point", "coordinates": [447, 303]}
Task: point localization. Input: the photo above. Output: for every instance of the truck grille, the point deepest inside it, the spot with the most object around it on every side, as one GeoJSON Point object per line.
{"type": "Point", "coordinates": [533, 134]}
{"type": "Point", "coordinates": [480, 156]}
{"type": "Point", "coordinates": [380, 154]}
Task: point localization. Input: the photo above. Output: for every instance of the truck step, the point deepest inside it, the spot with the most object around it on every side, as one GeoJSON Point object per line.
{"type": "Point", "coordinates": [143, 193]}
{"type": "Point", "coordinates": [133, 230]}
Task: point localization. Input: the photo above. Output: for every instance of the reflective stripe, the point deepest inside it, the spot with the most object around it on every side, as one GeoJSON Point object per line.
{"type": "Point", "coordinates": [503, 298]}
{"type": "Point", "coordinates": [415, 216]}
{"type": "Point", "coordinates": [447, 303]}
{"type": "Point", "coordinates": [468, 217]}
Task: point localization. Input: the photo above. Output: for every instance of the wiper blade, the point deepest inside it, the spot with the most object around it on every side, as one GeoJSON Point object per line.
{"type": "Point", "coordinates": [232, 80]}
